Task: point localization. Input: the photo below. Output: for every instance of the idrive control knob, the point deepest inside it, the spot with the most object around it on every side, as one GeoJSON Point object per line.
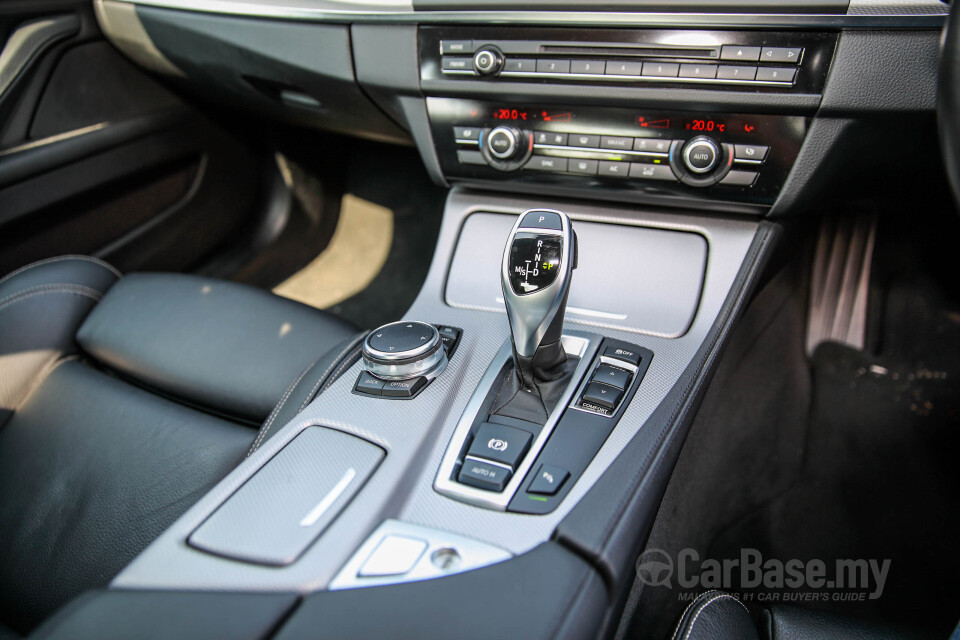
{"type": "Point", "coordinates": [404, 349]}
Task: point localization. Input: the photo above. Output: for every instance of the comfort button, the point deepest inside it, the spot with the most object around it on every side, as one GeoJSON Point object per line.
{"type": "Point", "coordinates": [403, 388]}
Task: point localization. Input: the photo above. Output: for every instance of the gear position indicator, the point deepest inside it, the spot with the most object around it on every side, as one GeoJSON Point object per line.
{"type": "Point", "coordinates": [534, 261]}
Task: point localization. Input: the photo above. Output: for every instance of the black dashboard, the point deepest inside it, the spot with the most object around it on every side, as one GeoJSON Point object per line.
{"type": "Point", "coordinates": [719, 105]}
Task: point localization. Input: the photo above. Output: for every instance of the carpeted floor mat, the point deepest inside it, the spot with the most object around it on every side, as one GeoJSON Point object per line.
{"type": "Point", "coordinates": [848, 456]}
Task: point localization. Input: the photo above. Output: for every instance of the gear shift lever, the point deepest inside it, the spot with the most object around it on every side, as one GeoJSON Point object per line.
{"type": "Point", "coordinates": [538, 264]}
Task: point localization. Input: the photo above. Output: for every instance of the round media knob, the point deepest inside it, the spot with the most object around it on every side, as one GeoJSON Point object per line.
{"type": "Point", "coordinates": [402, 350]}
{"type": "Point", "coordinates": [487, 61]}
{"type": "Point", "coordinates": [701, 155]}
{"type": "Point", "coordinates": [503, 142]}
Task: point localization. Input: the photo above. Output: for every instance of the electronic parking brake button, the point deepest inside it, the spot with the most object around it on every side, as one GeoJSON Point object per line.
{"type": "Point", "coordinates": [500, 443]}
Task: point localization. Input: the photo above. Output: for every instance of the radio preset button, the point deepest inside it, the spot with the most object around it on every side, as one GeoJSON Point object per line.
{"type": "Point", "coordinates": [661, 69]}
{"type": "Point", "coordinates": [520, 65]}
{"type": "Point", "coordinates": [587, 66]}
{"type": "Point", "coordinates": [553, 66]}
{"type": "Point", "coordinates": [776, 74]}
{"type": "Point", "coordinates": [698, 71]}
{"type": "Point", "coordinates": [624, 68]}
{"type": "Point", "coordinates": [728, 72]}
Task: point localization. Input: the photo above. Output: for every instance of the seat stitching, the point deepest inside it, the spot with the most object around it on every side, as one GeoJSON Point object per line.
{"type": "Point", "coordinates": [703, 607]}
{"type": "Point", "coordinates": [683, 615]}
{"type": "Point", "coordinates": [323, 376]}
{"type": "Point", "coordinates": [44, 289]}
{"type": "Point", "coordinates": [96, 261]}
{"type": "Point", "coordinates": [276, 409]}
{"type": "Point", "coordinates": [346, 363]}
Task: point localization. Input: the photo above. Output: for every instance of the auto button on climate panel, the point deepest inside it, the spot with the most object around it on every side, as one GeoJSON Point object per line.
{"type": "Point", "coordinates": [499, 443]}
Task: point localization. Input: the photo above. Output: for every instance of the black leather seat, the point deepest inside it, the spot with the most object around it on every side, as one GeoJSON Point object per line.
{"type": "Point", "coordinates": [122, 401]}
{"type": "Point", "coordinates": [716, 615]}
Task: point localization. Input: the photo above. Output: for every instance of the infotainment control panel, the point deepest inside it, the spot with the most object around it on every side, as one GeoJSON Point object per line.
{"type": "Point", "coordinates": [723, 156]}
{"type": "Point", "coordinates": [794, 62]}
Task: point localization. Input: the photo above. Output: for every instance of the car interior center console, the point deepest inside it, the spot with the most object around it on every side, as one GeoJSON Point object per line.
{"type": "Point", "coordinates": [601, 234]}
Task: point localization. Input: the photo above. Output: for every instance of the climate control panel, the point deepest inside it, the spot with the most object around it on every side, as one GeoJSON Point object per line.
{"type": "Point", "coordinates": [737, 157]}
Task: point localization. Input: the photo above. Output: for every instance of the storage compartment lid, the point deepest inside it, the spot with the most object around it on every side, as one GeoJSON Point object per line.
{"type": "Point", "coordinates": [282, 509]}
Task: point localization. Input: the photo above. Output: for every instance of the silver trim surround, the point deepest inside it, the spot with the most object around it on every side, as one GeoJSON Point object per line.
{"type": "Point", "coordinates": [576, 343]}
{"type": "Point", "coordinates": [569, 149]}
{"type": "Point", "coordinates": [619, 78]}
{"type": "Point", "coordinates": [400, 11]}
{"type": "Point", "coordinates": [472, 554]}
{"type": "Point", "coordinates": [311, 518]}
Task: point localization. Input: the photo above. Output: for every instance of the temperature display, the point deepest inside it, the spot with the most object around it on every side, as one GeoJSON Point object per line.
{"type": "Point", "coordinates": [706, 125]}
{"type": "Point", "coordinates": [506, 113]}
{"type": "Point", "coordinates": [534, 261]}
{"type": "Point", "coordinates": [677, 122]}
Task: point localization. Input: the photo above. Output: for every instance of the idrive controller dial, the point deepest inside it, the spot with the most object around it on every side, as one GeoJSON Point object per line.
{"type": "Point", "coordinates": [403, 350]}
{"type": "Point", "coordinates": [402, 358]}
